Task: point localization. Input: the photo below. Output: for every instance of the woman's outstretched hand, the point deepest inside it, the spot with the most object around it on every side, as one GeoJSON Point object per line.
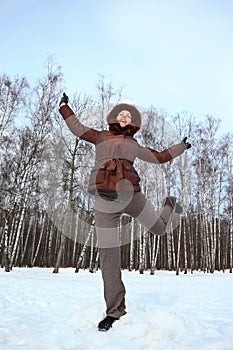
{"type": "Point", "coordinates": [64, 99]}
{"type": "Point", "coordinates": [185, 143]}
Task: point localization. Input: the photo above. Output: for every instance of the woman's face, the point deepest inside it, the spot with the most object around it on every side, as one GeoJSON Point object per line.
{"type": "Point", "coordinates": [124, 118]}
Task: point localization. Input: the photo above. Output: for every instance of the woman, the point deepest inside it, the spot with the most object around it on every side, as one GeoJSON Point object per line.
{"type": "Point", "coordinates": [115, 184]}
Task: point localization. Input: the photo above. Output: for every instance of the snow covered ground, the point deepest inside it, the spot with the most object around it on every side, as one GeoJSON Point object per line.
{"type": "Point", "coordinates": [40, 310]}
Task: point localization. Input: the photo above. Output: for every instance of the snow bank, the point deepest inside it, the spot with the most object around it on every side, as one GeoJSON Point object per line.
{"type": "Point", "coordinates": [42, 310]}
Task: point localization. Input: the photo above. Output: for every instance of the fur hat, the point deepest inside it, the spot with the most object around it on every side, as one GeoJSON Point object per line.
{"type": "Point", "coordinates": [136, 116]}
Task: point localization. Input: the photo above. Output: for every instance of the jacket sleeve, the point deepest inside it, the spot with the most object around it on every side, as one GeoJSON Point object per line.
{"type": "Point", "coordinates": [151, 156]}
{"type": "Point", "coordinates": [78, 129]}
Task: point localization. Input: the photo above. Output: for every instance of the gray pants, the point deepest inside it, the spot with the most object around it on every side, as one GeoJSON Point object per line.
{"type": "Point", "coordinates": [107, 218]}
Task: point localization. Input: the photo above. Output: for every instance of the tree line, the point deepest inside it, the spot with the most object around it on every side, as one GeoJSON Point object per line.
{"type": "Point", "coordinates": [46, 214]}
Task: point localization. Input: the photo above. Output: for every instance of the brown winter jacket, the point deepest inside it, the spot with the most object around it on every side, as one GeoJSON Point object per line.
{"type": "Point", "coordinates": [116, 150]}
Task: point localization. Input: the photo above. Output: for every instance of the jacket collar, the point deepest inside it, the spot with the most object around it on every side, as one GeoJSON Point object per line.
{"type": "Point", "coordinates": [128, 130]}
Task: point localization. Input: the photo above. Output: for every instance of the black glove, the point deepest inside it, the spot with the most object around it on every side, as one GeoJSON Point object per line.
{"type": "Point", "coordinates": [186, 144]}
{"type": "Point", "coordinates": [64, 99]}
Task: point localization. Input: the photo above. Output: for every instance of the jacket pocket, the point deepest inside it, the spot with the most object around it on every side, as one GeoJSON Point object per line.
{"type": "Point", "coordinates": [131, 175]}
{"type": "Point", "coordinates": [98, 175]}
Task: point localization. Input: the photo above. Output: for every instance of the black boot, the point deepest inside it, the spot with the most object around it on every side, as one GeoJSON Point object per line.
{"type": "Point", "coordinates": [171, 201]}
{"type": "Point", "coordinates": [106, 323]}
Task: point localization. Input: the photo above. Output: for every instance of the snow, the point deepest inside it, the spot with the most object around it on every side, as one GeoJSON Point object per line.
{"type": "Point", "coordinates": [42, 310]}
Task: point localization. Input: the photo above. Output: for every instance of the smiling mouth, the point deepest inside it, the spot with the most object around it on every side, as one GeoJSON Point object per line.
{"type": "Point", "coordinates": [123, 121]}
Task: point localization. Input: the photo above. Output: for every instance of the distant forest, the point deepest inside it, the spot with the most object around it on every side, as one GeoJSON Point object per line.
{"type": "Point", "coordinates": [46, 214]}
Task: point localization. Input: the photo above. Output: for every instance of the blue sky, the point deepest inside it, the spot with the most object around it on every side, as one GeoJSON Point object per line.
{"type": "Point", "coordinates": [174, 54]}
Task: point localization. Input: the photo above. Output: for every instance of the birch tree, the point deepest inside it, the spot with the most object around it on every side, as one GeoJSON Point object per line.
{"type": "Point", "coordinates": [12, 97]}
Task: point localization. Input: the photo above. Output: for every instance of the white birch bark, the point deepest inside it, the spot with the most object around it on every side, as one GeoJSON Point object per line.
{"type": "Point", "coordinates": [131, 252]}
{"type": "Point", "coordinates": [155, 252]}
{"type": "Point", "coordinates": [25, 244]}
{"type": "Point", "coordinates": [39, 242]}
{"type": "Point", "coordinates": [185, 247]}
{"type": "Point", "coordinates": [141, 250]}
{"type": "Point", "coordinates": [178, 248]}
{"type": "Point", "coordinates": [6, 245]}
{"type": "Point", "coordinates": [75, 239]}
{"type": "Point", "coordinates": [21, 220]}
{"type": "Point", "coordinates": [83, 252]}
{"type": "Point", "coordinates": [231, 237]}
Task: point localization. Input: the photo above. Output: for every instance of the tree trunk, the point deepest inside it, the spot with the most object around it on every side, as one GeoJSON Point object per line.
{"type": "Point", "coordinates": [6, 246]}
{"type": "Point", "coordinates": [178, 248]}
{"type": "Point", "coordinates": [131, 252]}
{"type": "Point", "coordinates": [81, 257]}
{"type": "Point", "coordinates": [60, 251]}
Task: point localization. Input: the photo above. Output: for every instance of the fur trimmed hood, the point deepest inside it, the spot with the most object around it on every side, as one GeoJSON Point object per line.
{"type": "Point", "coordinates": [136, 117]}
